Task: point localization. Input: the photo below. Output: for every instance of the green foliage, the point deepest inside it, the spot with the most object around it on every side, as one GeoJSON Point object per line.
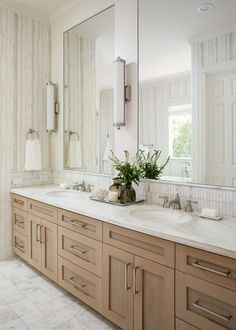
{"type": "Point", "coordinates": [148, 164]}
{"type": "Point", "coordinates": [182, 143]}
{"type": "Point", "coordinates": [127, 172]}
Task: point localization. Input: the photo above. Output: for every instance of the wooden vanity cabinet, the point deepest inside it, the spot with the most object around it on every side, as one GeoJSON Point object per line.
{"type": "Point", "coordinates": [42, 240]}
{"type": "Point", "coordinates": [137, 281]}
{"type": "Point", "coordinates": [137, 293]}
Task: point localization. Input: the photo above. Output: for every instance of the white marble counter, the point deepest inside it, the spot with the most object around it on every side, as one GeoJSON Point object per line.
{"type": "Point", "coordinates": [214, 236]}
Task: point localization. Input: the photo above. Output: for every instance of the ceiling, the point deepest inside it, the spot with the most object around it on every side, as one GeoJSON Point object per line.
{"type": "Point", "coordinates": [42, 6]}
{"type": "Point", "coordinates": [167, 25]}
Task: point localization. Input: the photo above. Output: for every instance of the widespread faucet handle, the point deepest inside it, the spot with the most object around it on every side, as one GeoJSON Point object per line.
{"type": "Point", "coordinates": [89, 188]}
{"type": "Point", "coordinates": [165, 200]}
{"type": "Point", "coordinates": [189, 206]}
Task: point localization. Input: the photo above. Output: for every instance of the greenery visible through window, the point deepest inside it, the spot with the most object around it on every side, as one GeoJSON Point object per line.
{"type": "Point", "coordinates": [180, 131]}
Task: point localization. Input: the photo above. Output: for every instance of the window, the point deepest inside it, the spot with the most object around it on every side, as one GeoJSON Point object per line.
{"type": "Point", "coordinates": [180, 131]}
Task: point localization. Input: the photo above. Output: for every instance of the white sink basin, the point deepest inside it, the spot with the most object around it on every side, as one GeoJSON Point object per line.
{"type": "Point", "coordinates": [159, 215]}
{"type": "Point", "coordinates": [64, 193]}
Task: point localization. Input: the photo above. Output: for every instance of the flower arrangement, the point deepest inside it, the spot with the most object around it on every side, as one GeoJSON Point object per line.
{"type": "Point", "coordinates": [148, 164]}
{"type": "Point", "coordinates": [127, 172]}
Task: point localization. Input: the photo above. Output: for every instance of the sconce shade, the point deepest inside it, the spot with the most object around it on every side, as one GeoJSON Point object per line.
{"type": "Point", "coordinates": [119, 93]}
{"type": "Point", "coordinates": [51, 107]}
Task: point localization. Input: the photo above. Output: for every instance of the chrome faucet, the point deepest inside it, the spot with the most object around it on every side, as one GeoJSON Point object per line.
{"type": "Point", "coordinates": [165, 200]}
{"type": "Point", "coordinates": [189, 207]}
{"type": "Point", "coordinates": [81, 186]}
{"type": "Point", "coordinates": [175, 203]}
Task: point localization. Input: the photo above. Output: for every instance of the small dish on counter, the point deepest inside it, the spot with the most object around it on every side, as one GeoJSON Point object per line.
{"type": "Point", "coordinates": [209, 217]}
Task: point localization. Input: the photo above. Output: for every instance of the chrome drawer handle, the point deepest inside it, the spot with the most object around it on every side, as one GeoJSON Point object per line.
{"type": "Point", "coordinates": [18, 201]}
{"type": "Point", "coordinates": [77, 224]}
{"type": "Point", "coordinates": [127, 287]}
{"type": "Point", "coordinates": [76, 250]}
{"type": "Point", "coordinates": [37, 233]}
{"type": "Point", "coordinates": [197, 265]}
{"type": "Point", "coordinates": [18, 220]}
{"type": "Point", "coordinates": [135, 291]}
{"type": "Point", "coordinates": [76, 284]}
{"type": "Point", "coordinates": [204, 309]}
{"type": "Point", "coordinates": [19, 245]}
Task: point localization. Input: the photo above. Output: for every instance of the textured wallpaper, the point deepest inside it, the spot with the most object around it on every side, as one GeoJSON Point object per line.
{"type": "Point", "coordinates": [24, 72]}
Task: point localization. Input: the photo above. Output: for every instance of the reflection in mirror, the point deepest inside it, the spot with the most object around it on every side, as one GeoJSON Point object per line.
{"type": "Point", "coordinates": [88, 94]}
{"type": "Point", "coordinates": [187, 103]}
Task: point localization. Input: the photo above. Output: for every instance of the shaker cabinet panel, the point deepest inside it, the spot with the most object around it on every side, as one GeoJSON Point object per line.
{"type": "Point", "coordinates": [20, 221]}
{"type": "Point", "coordinates": [49, 249]}
{"type": "Point", "coordinates": [117, 286]}
{"type": "Point", "coordinates": [208, 266]}
{"type": "Point", "coordinates": [20, 245]}
{"type": "Point", "coordinates": [203, 304]}
{"type": "Point", "coordinates": [153, 289]}
{"type": "Point", "coordinates": [34, 237]}
{"type": "Point", "coordinates": [81, 250]}
{"type": "Point", "coordinates": [146, 246]}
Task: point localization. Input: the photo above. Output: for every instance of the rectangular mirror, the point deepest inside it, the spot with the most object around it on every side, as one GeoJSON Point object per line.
{"type": "Point", "coordinates": [187, 88]}
{"type": "Point", "coordinates": [88, 94]}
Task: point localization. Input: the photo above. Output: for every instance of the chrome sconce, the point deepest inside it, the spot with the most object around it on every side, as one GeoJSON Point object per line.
{"type": "Point", "coordinates": [52, 107]}
{"type": "Point", "coordinates": [122, 93]}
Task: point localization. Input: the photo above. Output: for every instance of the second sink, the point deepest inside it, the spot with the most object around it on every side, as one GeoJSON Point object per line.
{"type": "Point", "coordinates": [160, 215]}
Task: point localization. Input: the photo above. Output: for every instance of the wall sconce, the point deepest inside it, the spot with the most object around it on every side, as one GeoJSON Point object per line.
{"type": "Point", "coordinates": [52, 107]}
{"type": "Point", "coordinates": [122, 93]}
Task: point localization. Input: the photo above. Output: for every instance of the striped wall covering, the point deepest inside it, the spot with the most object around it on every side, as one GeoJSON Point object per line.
{"type": "Point", "coordinates": [24, 71]}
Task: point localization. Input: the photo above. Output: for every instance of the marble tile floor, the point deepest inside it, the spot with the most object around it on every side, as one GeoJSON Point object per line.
{"type": "Point", "coordinates": [28, 300]}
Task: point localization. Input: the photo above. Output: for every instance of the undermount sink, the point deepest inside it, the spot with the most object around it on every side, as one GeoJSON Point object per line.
{"type": "Point", "coordinates": [159, 215]}
{"type": "Point", "coordinates": [64, 193]}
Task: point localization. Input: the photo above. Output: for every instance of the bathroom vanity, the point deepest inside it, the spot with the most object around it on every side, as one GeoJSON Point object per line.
{"type": "Point", "coordinates": [140, 274]}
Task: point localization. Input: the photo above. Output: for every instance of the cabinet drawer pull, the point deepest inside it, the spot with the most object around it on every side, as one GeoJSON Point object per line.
{"type": "Point", "coordinates": [135, 290]}
{"type": "Point", "coordinates": [204, 309]}
{"type": "Point", "coordinates": [77, 250]}
{"type": "Point", "coordinates": [21, 246]}
{"type": "Point", "coordinates": [77, 224]}
{"type": "Point", "coordinates": [41, 234]}
{"type": "Point", "coordinates": [18, 220]}
{"type": "Point", "coordinates": [127, 287]}
{"type": "Point", "coordinates": [76, 284]}
{"type": "Point", "coordinates": [18, 201]}
{"type": "Point", "coordinates": [197, 265]}
{"type": "Point", "coordinates": [37, 233]}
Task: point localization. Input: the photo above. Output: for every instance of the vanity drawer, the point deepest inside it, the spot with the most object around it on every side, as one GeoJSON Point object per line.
{"type": "Point", "coordinates": [20, 245]}
{"type": "Point", "coordinates": [149, 247]}
{"type": "Point", "coordinates": [20, 221]}
{"type": "Point", "coordinates": [203, 304]}
{"type": "Point", "coordinates": [42, 210]}
{"type": "Point", "coordinates": [80, 223]}
{"type": "Point", "coordinates": [81, 250]}
{"type": "Point", "coordinates": [81, 283]}
{"type": "Point", "coordinates": [19, 202]}
{"type": "Point", "coordinates": [181, 325]}
{"type": "Point", "coordinates": [208, 266]}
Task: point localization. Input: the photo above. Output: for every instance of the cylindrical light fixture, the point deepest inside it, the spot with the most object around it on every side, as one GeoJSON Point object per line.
{"type": "Point", "coordinates": [119, 93]}
{"type": "Point", "coordinates": [51, 101]}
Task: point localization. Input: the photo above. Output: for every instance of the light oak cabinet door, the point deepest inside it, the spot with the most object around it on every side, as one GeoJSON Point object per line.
{"type": "Point", "coordinates": [49, 249]}
{"type": "Point", "coordinates": [117, 286]}
{"type": "Point", "coordinates": [42, 237]}
{"type": "Point", "coordinates": [34, 233]}
{"type": "Point", "coordinates": [153, 289]}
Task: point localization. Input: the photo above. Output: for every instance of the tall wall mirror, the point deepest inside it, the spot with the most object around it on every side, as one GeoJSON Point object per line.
{"type": "Point", "coordinates": [88, 94]}
{"type": "Point", "coordinates": [187, 88]}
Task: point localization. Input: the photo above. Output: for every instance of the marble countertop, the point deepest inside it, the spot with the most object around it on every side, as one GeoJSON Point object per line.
{"type": "Point", "coordinates": [177, 226]}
